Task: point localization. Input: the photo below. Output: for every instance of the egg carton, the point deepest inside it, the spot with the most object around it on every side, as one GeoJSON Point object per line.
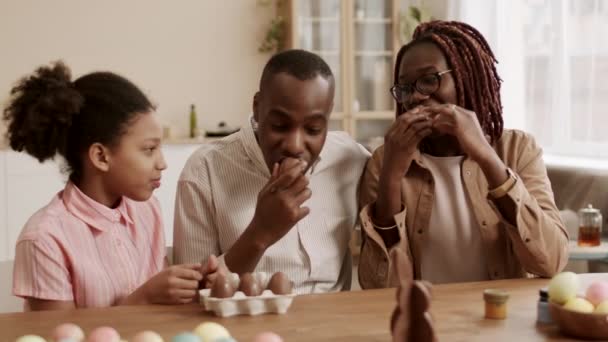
{"type": "Point", "coordinates": [240, 304]}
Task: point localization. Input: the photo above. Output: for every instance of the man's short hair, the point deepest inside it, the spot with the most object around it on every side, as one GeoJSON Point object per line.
{"type": "Point", "coordinates": [301, 64]}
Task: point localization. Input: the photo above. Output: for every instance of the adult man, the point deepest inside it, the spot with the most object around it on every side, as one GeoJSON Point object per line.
{"type": "Point", "coordinates": [279, 195]}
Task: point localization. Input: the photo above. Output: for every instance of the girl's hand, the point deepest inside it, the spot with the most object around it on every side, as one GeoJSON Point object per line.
{"type": "Point", "coordinates": [210, 271]}
{"type": "Point", "coordinates": [176, 284]}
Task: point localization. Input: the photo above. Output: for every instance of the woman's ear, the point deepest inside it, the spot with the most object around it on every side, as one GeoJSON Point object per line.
{"type": "Point", "coordinates": [99, 156]}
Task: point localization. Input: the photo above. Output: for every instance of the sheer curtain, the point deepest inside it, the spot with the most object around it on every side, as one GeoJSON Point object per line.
{"type": "Point", "coordinates": [553, 57]}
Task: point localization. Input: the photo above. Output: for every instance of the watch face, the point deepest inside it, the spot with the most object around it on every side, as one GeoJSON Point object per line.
{"type": "Point", "coordinates": [504, 188]}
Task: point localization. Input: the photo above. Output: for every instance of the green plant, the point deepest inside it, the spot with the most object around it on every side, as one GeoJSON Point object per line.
{"type": "Point", "coordinates": [275, 34]}
{"type": "Point", "coordinates": [410, 19]}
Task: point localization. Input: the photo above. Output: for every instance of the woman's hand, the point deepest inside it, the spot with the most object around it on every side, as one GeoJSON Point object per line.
{"type": "Point", "coordinates": [400, 144]}
{"type": "Point", "coordinates": [402, 140]}
{"type": "Point", "coordinates": [462, 124]}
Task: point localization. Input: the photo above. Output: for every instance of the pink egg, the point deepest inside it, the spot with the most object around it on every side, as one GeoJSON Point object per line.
{"type": "Point", "coordinates": [68, 330]}
{"type": "Point", "coordinates": [104, 334]}
{"type": "Point", "coordinates": [267, 337]}
{"type": "Point", "coordinates": [597, 292]}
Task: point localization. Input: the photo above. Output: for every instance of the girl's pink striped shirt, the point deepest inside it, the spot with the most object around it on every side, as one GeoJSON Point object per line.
{"type": "Point", "coordinates": [76, 249]}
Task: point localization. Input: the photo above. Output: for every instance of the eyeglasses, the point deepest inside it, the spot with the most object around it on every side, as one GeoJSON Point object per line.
{"type": "Point", "coordinates": [425, 85]}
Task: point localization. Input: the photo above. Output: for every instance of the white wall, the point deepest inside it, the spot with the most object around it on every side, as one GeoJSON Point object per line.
{"type": "Point", "coordinates": [29, 186]}
{"type": "Point", "coordinates": [179, 52]}
{"type": "Point", "coordinates": [176, 157]}
{"type": "Point", "coordinates": [4, 230]}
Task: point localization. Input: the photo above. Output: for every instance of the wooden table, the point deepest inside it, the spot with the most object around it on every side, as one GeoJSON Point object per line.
{"type": "Point", "coordinates": [347, 316]}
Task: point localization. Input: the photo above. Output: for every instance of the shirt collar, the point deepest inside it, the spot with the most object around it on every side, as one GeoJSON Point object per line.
{"type": "Point", "coordinates": [252, 148]}
{"type": "Point", "coordinates": [92, 212]}
{"type": "Point", "coordinates": [314, 165]}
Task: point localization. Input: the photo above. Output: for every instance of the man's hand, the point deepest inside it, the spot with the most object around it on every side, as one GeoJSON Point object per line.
{"type": "Point", "coordinates": [279, 205]}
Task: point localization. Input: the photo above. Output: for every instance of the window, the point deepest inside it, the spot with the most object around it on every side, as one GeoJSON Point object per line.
{"type": "Point", "coordinates": [566, 66]}
{"type": "Point", "coordinates": [554, 60]}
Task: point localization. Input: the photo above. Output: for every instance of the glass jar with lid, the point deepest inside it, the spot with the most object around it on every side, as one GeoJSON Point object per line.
{"type": "Point", "coordinates": [589, 227]}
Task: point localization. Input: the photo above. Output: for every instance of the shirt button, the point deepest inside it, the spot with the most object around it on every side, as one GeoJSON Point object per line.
{"type": "Point", "coordinates": [468, 173]}
{"type": "Point", "coordinates": [382, 269]}
{"type": "Point", "coordinates": [419, 231]}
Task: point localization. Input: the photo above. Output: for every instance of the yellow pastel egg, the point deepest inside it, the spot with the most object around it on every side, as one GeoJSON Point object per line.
{"type": "Point", "coordinates": [210, 331]}
{"type": "Point", "coordinates": [602, 308]}
{"type": "Point", "coordinates": [563, 287]}
{"type": "Point", "coordinates": [30, 338]}
{"type": "Point", "coordinates": [147, 336]}
{"type": "Point", "coordinates": [579, 305]}
{"type": "Point", "coordinates": [68, 331]}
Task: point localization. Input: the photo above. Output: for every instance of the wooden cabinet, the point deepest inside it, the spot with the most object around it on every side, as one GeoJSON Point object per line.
{"type": "Point", "coordinates": [359, 40]}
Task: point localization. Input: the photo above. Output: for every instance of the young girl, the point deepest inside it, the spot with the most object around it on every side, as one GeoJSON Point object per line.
{"type": "Point", "coordinates": [99, 242]}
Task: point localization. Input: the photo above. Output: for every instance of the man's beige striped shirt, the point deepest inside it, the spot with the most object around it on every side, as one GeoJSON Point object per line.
{"type": "Point", "coordinates": [217, 194]}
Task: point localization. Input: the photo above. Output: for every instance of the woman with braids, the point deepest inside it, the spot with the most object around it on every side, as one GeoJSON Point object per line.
{"type": "Point", "coordinates": [99, 242]}
{"type": "Point", "coordinates": [464, 199]}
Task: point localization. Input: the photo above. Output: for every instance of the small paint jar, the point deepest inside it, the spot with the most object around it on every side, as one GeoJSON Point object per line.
{"type": "Point", "coordinates": [496, 303]}
{"type": "Point", "coordinates": [543, 315]}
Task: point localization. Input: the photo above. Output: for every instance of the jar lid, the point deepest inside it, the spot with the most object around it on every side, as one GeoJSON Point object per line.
{"type": "Point", "coordinates": [496, 296]}
{"type": "Point", "coordinates": [589, 210]}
